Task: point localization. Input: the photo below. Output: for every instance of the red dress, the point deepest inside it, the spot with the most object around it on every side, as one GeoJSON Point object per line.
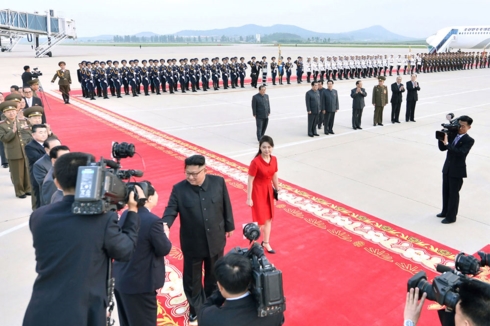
{"type": "Point", "coordinates": [262, 194]}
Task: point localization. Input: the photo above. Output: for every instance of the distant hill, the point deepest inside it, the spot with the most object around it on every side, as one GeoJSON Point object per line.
{"type": "Point", "coordinates": [371, 34]}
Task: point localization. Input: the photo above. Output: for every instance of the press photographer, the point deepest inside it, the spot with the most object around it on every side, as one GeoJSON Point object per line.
{"type": "Point", "coordinates": [27, 76]}
{"type": "Point", "coordinates": [250, 290]}
{"type": "Point", "coordinates": [455, 140]}
{"type": "Point", "coordinates": [73, 253]}
{"type": "Point", "coordinates": [466, 300]}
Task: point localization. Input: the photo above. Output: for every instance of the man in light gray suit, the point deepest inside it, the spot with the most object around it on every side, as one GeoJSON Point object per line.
{"type": "Point", "coordinates": [358, 94]}
{"type": "Point", "coordinates": [330, 105]}
{"type": "Point", "coordinates": [261, 110]}
{"type": "Point", "coordinates": [48, 187]}
{"type": "Point", "coordinates": [313, 107]}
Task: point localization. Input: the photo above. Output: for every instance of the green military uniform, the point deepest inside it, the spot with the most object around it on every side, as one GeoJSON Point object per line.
{"type": "Point", "coordinates": [14, 149]}
{"type": "Point", "coordinates": [380, 99]}
{"type": "Point", "coordinates": [63, 83]}
{"type": "Point", "coordinates": [34, 83]}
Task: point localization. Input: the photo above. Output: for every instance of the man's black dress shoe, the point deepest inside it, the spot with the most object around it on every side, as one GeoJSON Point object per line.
{"type": "Point", "coordinates": [359, 128]}
{"type": "Point", "coordinates": [22, 196]}
{"type": "Point", "coordinates": [28, 193]}
{"type": "Point", "coordinates": [6, 165]}
{"type": "Point", "coordinates": [380, 124]}
{"type": "Point", "coordinates": [331, 132]}
{"type": "Point", "coordinates": [316, 135]}
{"type": "Point", "coordinates": [310, 135]}
{"type": "Point", "coordinates": [446, 221]}
{"type": "Point", "coordinates": [413, 120]}
{"type": "Point", "coordinates": [441, 215]}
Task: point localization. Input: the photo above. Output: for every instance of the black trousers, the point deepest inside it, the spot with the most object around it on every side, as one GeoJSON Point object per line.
{"type": "Point", "coordinates": [192, 280]}
{"type": "Point", "coordinates": [138, 309]}
{"type": "Point", "coordinates": [450, 196]}
{"type": "Point", "coordinates": [254, 80]}
{"type": "Point", "coordinates": [321, 118]}
{"type": "Point", "coordinates": [312, 122]}
{"type": "Point", "coordinates": [410, 113]}
{"type": "Point", "coordinates": [3, 158]}
{"type": "Point", "coordinates": [356, 118]}
{"type": "Point", "coordinates": [328, 122]}
{"type": "Point", "coordinates": [395, 111]}
{"type": "Point", "coordinates": [261, 127]}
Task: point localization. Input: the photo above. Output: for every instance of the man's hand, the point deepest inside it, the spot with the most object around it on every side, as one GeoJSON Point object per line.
{"type": "Point", "coordinates": [445, 141]}
{"type": "Point", "coordinates": [336, 110]}
{"type": "Point", "coordinates": [229, 234]}
{"type": "Point", "coordinates": [412, 306]}
{"type": "Point", "coordinates": [48, 127]}
{"type": "Point", "coordinates": [132, 203]}
{"type": "Point", "coordinates": [14, 127]}
{"type": "Point", "coordinates": [254, 116]}
{"type": "Point", "coordinates": [324, 111]}
{"type": "Point", "coordinates": [166, 230]}
{"type": "Point", "coordinates": [309, 112]}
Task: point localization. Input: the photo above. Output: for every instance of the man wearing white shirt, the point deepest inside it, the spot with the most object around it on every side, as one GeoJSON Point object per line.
{"type": "Point", "coordinates": [33, 101]}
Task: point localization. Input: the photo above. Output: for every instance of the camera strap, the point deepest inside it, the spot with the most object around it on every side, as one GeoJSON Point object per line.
{"type": "Point", "coordinates": [110, 293]}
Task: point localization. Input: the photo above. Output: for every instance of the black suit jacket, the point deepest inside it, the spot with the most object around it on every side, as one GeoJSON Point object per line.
{"type": "Point", "coordinates": [145, 272]}
{"type": "Point", "coordinates": [455, 164]}
{"type": "Point", "coordinates": [412, 92]}
{"type": "Point", "coordinates": [205, 216]}
{"type": "Point", "coordinates": [47, 188]}
{"type": "Point", "coordinates": [261, 107]}
{"type": "Point", "coordinates": [72, 257]}
{"type": "Point", "coordinates": [242, 312]}
{"type": "Point", "coordinates": [396, 93]}
{"type": "Point", "coordinates": [358, 98]}
{"type": "Point", "coordinates": [34, 151]}
{"type": "Point", "coordinates": [313, 101]}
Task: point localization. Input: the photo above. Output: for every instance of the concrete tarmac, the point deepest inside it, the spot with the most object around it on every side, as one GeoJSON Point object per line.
{"type": "Point", "coordinates": [392, 172]}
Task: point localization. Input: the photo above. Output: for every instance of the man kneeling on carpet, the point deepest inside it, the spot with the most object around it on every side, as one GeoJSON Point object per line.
{"type": "Point", "coordinates": [233, 304]}
{"type": "Point", "coordinates": [472, 308]}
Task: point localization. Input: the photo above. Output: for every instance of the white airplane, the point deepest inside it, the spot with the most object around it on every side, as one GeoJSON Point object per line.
{"type": "Point", "coordinates": [459, 37]}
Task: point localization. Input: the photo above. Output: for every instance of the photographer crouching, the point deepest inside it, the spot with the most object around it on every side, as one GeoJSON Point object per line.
{"type": "Point", "coordinates": [233, 304]}
{"type": "Point", "coordinates": [73, 253]}
{"type": "Point", "coordinates": [455, 140]}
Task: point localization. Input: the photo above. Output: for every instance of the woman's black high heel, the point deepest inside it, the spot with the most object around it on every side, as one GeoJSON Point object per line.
{"type": "Point", "coordinates": [269, 251]}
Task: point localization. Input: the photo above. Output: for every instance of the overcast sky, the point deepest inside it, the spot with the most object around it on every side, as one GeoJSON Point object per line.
{"type": "Point", "coordinates": [415, 18]}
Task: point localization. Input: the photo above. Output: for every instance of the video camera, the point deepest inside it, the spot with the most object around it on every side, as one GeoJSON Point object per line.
{"type": "Point", "coordinates": [445, 288]}
{"type": "Point", "coordinates": [451, 127]}
{"type": "Point", "coordinates": [36, 72]}
{"type": "Point", "coordinates": [100, 185]}
{"type": "Point", "coordinates": [267, 286]}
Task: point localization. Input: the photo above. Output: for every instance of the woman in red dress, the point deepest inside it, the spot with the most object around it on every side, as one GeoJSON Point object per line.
{"type": "Point", "coordinates": [262, 174]}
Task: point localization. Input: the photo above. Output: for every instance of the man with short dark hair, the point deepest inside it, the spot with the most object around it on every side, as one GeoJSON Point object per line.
{"type": "Point", "coordinates": [138, 279]}
{"type": "Point", "coordinates": [330, 106]}
{"type": "Point", "coordinates": [206, 219]}
{"type": "Point", "coordinates": [15, 89]}
{"type": "Point", "coordinates": [73, 253]}
{"type": "Point", "coordinates": [233, 304]}
{"type": "Point", "coordinates": [397, 90]}
{"type": "Point", "coordinates": [413, 89]}
{"type": "Point", "coordinates": [27, 76]}
{"type": "Point", "coordinates": [42, 166]}
{"type": "Point", "coordinates": [48, 187]}
{"type": "Point", "coordinates": [313, 107]}
{"type": "Point", "coordinates": [261, 110]}
{"type": "Point", "coordinates": [457, 146]}
{"type": "Point", "coordinates": [358, 94]}
{"type": "Point", "coordinates": [32, 100]}
{"type": "Point", "coordinates": [64, 81]}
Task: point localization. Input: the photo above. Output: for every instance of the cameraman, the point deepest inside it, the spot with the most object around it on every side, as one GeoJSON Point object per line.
{"type": "Point", "coordinates": [457, 146]}
{"type": "Point", "coordinates": [138, 279]}
{"type": "Point", "coordinates": [27, 76]}
{"type": "Point", "coordinates": [73, 254]}
{"type": "Point", "coordinates": [233, 304]}
{"type": "Point", "coordinates": [472, 309]}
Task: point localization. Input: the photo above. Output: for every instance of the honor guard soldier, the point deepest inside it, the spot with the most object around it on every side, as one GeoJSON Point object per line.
{"type": "Point", "coordinates": [321, 67]}
{"type": "Point", "coordinates": [103, 79]}
{"type": "Point", "coordinates": [155, 77]}
{"type": "Point", "coordinates": [273, 70]}
{"type": "Point", "coordinates": [288, 66]}
{"type": "Point", "coordinates": [335, 68]}
{"type": "Point", "coordinates": [64, 81]}
{"type": "Point", "coordinates": [192, 75]}
{"type": "Point", "coordinates": [131, 75]}
{"type": "Point", "coordinates": [328, 68]}
{"type": "Point", "coordinates": [398, 64]}
{"type": "Point", "coordinates": [405, 62]}
{"type": "Point", "coordinates": [380, 99]}
{"type": "Point", "coordinates": [299, 69]}
{"type": "Point", "coordinates": [254, 72]}
{"type": "Point", "coordinates": [197, 71]}
{"type": "Point", "coordinates": [124, 78]}
{"type": "Point", "coordinates": [81, 79]}
{"type": "Point", "coordinates": [169, 76]}
{"type": "Point", "coordinates": [14, 149]}
{"type": "Point", "coordinates": [392, 64]}
{"type": "Point", "coordinates": [137, 75]}
{"type": "Point", "coordinates": [314, 68]}
{"type": "Point", "coordinates": [204, 75]}
{"type": "Point", "coordinates": [109, 79]}
{"type": "Point", "coordinates": [385, 64]}
{"type": "Point", "coordinates": [224, 72]}
{"type": "Point", "coordinates": [264, 67]}
{"type": "Point", "coordinates": [214, 74]}
{"type": "Point", "coordinates": [280, 70]}
{"type": "Point", "coordinates": [307, 67]}
{"type": "Point", "coordinates": [144, 77]}
{"type": "Point", "coordinates": [115, 76]}
{"type": "Point", "coordinates": [242, 71]}
{"type": "Point", "coordinates": [182, 74]}
{"type": "Point", "coordinates": [162, 69]}
{"type": "Point", "coordinates": [95, 75]}
{"type": "Point", "coordinates": [175, 72]}
{"type": "Point", "coordinates": [89, 81]}
{"type": "Point", "coordinates": [232, 66]}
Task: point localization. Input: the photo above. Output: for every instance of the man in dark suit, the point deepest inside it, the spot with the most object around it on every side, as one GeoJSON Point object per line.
{"type": "Point", "coordinates": [27, 75]}
{"type": "Point", "coordinates": [47, 185]}
{"type": "Point", "coordinates": [206, 219]}
{"type": "Point", "coordinates": [330, 105]}
{"type": "Point", "coordinates": [321, 115]}
{"type": "Point", "coordinates": [73, 253]}
{"type": "Point", "coordinates": [35, 149]}
{"type": "Point", "coordinates": [412, 97]}
{"type": "Point", "coordinates": [261, 109]}
{"type": "Point", "coordinates": [358, 94]}
{"type": "Point", "coordinates": [138, 279]}
{"type": "Point", "coordinates": [233, 304]}
{"type": "Point", "coordinates": [457, 146]}
{"type": "Point", "coordinates": [313, 107]}
{"type": "Point", "coordinates": [33, 101]}
{"type": "Point", "coordinates": [397, 90]}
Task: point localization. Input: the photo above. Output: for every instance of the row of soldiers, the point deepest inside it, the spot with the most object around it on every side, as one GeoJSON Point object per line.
{"type": "Point", "coordinates": [97, 77]}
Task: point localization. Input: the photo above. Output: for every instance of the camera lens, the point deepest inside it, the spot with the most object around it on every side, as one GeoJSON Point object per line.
{"type": "Point", "coordinates": [122, 150]}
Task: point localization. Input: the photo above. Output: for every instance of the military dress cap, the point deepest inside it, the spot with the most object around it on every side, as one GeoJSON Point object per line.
{"type": "Point", "coordinates": [242, 58]}
{"type": "Point", "coordinates": [136, 60]}
{"type": "Point", "coordinates": [102, 62]}
{"type": "Point", "coordinates": [115, 61]}
{"type": "Point", "coordinates": [123, 61]}
{"type": "Point", "coordinates": [273, 58]}
{"type": "Point", "coordinates": [89, 63]}
{"type": "Point", "coordinates": [144, 61]}
{"type": "Point", "coordinates": [381, 78]}
{"type": "Point", "coordinates": [108, 61]}
{"type": "Point", "coordinates": [34, 111]}
{"type": "Point", "coordinates": [96, 61]}
{"type": "Point", "coordinates": [33, 82]}
{"type": "Point", "coordinates": [169, 60]}
{"type": "Point", "coordinates": [14, 97]}
{"type": "Point", "coordinates": [300, 57]}
{"type": "Point", "coordinates": [264, 57]}
{"type": "Point", "coordinates": [162, 60]}
{"type": "Point", "coordinates": [8, 106]}
{"type": "Point", "coordinates": [131, 61]}
{"type": "Point", "coordinates": [252, 58]}
{"type": "Point", "coordinates": [288, 58]}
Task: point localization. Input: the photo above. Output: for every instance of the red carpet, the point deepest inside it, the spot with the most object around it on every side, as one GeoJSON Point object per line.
{"type": "Point", "coordinates": [340, 266]}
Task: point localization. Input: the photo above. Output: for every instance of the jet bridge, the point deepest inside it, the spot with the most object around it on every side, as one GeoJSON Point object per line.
{"type": "Point", "coordinates": [14, 25]}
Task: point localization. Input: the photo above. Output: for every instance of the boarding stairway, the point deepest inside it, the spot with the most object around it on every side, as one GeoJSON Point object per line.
{"type": "Point", "coordinates": [441, 42]}
{"type": "Point", "coordinates": [14, 25]}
